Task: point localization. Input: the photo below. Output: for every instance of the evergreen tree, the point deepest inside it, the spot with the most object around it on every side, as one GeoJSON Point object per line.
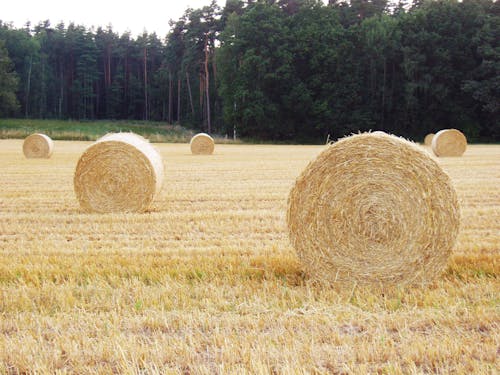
{"type": "Point", "coordinates": [272, 69]}
{"type": "Point", "coordinates": [8, 83]}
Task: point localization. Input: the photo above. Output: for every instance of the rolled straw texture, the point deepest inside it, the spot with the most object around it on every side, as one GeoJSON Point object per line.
{"type": "Point", "coordinates": [428, 139]}
{"type": "Point", "coordinates": [38, 146]}
{"type": "Point", "coordinates": [202, 144]}
{"type": "Point", "coordinates": [449, 142]}
{"type": "Point", "coordinates": [120, 172]}
{"type": "Point", "coordinates": [373, 209]}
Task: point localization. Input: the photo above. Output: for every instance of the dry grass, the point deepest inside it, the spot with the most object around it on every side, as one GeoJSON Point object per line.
{"type": "Point", "coordinates": [206, 281]}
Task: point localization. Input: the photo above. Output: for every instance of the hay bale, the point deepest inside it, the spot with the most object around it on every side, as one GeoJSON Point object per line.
{"type": "Point", "coordinates": [449, 142]}
{"type": "Point", "coordinates": [120, 172]}
{"type": "Point", "coordinates": [428, 139]}
{"type": "Point", "coordinates": [202, 144]}
{"type": "Point", "coordinates": [373, 209]}
{"type": "Point", "coordinates": [129, 135]}
{"type": "Point", "coordinates": [38, 146]}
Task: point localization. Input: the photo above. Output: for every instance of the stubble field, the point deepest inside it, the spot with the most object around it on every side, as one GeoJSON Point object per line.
{"type": "Point", "coordinates": [206, 282]}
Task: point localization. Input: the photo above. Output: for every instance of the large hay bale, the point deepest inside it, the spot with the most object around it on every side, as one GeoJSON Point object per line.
{"type": "Point", "coordinates": [202, 144]}
{"type": "Point", "coordinates": [449, 142]}
{"type": "Point", "coordinates": [120, 172]}
{"type": "Point", "coordinates": [428, 139]}
{"type": "Point", "coordinates": [373, 208]}
{"type": "Point", "coordinates": [129, 136]}
{"type": "Point", "coordinates": [38, 146]}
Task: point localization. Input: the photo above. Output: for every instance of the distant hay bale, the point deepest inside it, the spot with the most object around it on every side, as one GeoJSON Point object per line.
{"type": "Point", "coordinates": [202, 144]}
{"type": "Point", "coordinates": [428, 139]}
{"type": "Point", "coordinates": [449, 142]}
{"type": "Point", "coordinates": [120, 172]}
{"type": "Point", "coordinates": [38, 146]}
{"type": "Point", "coordinates": [373, 209]}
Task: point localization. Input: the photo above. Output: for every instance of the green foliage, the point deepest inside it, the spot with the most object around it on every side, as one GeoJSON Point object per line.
{"type": "Point", "coordinates": [484, 80]}
{"type": "Point", "coordinates": [257, 72]}
{"type": "Point", "coordinates": [273, 69]}
{"type": "Point", "coordinates": [439, 43]}
{"type": "Point", "coordinates": [8, 83]}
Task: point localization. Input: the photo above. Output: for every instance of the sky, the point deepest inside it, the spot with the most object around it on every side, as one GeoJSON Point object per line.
{"type": "Point", "coordinates": [137, 16]}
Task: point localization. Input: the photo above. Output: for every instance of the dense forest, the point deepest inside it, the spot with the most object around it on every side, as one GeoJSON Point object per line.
{"type": "Point", "coordinates": [270, 69]}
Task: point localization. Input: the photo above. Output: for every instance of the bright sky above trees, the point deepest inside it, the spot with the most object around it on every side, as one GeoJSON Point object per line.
{"type": "Point", "coordinates": [152, 15]}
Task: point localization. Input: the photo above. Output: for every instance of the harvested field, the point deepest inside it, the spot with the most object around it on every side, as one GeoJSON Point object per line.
{"type": "Point", "coordinates": [207, 282]}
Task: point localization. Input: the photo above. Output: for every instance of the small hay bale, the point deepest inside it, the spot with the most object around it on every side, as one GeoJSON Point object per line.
{"type": "Point", "coordinates": [202, 144]}
{"type": "Point", "coordinates": [38, 146]}
{"type": "Point", "coordinates": [449, 142]}
{"type": "Point", "coordinates": [428, 139]}
{"type": "Point", "coordinates": [373, 209]}
{"type": "Point", "coordinates": [120, 172]}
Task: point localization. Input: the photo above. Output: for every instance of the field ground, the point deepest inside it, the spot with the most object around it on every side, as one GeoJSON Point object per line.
{"type": "Point", "coordinates": [206, 281]}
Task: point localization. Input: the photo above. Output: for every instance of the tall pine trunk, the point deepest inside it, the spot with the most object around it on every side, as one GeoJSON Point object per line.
{"type": "Point", "coordinates": [190, 94]}
{"type": "Point", "coordinates": [170, 99]}
{"type": "Point", "coordinates": [61, 93]}
{"type": "Point", "coordinates": [28, 88]}
{"type": "Point", "coordinates": [146, 109]}
{"type": "Point", "coordinates": [383, 92]}
{"type": "Point", "coordinates": [207, 83]}
{"type": "Point", "coordinates": [179, 99]}
{"type": "Point", "coordinates": [108, 68]}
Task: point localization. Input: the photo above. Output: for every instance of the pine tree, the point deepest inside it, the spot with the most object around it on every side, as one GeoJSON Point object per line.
{"type": "Point", "coordinates": [8, 84]}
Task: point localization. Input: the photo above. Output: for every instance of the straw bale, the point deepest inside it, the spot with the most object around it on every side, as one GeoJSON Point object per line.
{"type": "Point", "coordinates": [38, 146]}
{"type": "Point", "coordinates": [449, 142]}
{"type": "Point", "coordinates": [129, 135]}
{"type": "Point", "coordinates": [428, 139]}
{"type": "Point", "coordinates": [120, 172]}
{"type": "Point", "coordinates": [202, 144]}
{"type": "Point", "coordinates": [373, 209]}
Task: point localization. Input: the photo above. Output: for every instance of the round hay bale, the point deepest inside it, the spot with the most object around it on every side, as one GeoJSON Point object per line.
{"type": "Point", "coordinates": [38, 146]}
{"type": "Point", "coordinates": [120, 172]}
{"type": "Point", "coordinates": [373, 209]}
{"type": "Point", "coordinates": [428, 139]}
{"type": "Point", "coordinates": [202, 144]}
{"type": "Point", "coordinates": [129, 135]}
{"type": "Point", "coordinates": [449, 142]}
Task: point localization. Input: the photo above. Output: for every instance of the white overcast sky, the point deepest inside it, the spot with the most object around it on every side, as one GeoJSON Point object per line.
{"type": "Point", "coordinates": [136, 16]}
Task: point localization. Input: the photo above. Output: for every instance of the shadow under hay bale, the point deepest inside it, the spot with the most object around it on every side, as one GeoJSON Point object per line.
{"type": "Point", "coordinates": [202, 144]}
{"type": "Point", "coordinates": [373, 209]}
{"type": "Point", "coordinates": [38, 146]}
{"type": "Point", "coordinates": [120, 172]}
{"type": "Point", "coordinates": [449, 142]}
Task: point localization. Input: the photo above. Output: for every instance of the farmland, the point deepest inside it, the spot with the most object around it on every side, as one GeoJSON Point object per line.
{"type": "Point", "coordinates": [207, 282]}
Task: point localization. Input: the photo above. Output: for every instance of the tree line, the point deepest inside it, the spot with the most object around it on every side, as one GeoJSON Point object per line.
{"type": "Point", "coordinates": [271, 69]}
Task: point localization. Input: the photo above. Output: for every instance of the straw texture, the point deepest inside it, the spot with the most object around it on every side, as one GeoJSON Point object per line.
{"type": "Point", "coordinates": [120, 172]}
{"type": "Point", "coordinates": [428, 139]}
{"type": "Point", "coordinates": [449, 142]}
{"type": "Point", "coordinates": [38, 146]}
{"type": "Point", "coordinates": [202, 144]}
{"type": "Point", "coordinates": [373, 209]}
